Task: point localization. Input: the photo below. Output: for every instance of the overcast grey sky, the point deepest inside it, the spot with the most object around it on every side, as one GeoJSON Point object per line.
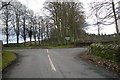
{"type": "Point", "coordinates": [36, 6]}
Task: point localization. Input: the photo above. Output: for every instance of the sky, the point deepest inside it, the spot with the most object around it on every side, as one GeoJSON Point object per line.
{"type": "Point", "coordinates": [36, 6]}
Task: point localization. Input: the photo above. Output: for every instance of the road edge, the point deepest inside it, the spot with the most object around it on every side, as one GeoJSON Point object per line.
{"type": "Point", "coordinates": [90, 59]}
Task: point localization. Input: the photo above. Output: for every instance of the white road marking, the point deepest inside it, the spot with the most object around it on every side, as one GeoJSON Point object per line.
{"type": "Point", "coordinates": [51, 63]}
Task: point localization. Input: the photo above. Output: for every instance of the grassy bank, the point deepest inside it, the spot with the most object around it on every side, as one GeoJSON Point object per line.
{"type": "Point", "coordinates": [107, 56]}
{"type": "Point", "coordinates": [109, 52]}
{"type": "Point", "coordinates": [6, 59]}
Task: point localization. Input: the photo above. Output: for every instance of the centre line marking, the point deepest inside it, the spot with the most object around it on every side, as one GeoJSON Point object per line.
{"type": "Point", "coordinates": [51, 63]}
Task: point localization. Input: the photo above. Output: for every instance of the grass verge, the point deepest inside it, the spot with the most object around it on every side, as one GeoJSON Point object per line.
{"type": "Point", "coordinates": [27, 47]}
{"type": "Point", "coordinates": [64, 46]}
{"type": "Point", "coordinates": [40, 46]}
{"type": "Point", "coordinates": [98, 61]}
{"type": "Point", "coordinates": [6, 58]}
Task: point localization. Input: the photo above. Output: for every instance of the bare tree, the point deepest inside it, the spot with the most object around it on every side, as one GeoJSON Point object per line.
{"type": "Point", "coordinates": [30, 26]}
{"type": "Point", "coordinates": [6, 18]}
{"type": "Point", "coordinates": [39, 19]}
{"type": "Point", "coordinates": [35, 28]}
{"type": "Point", "coordinates": [38, 33]}
{"type": "Point", "coordinates": [4, 4]}
{"type": "Point", "coordinates": [24, 24]}
{"type": "Point", "coordinates": [107, 13]}
{"type": "Point", "coordinates": [68, 19]}
{"type": "Point", "coordinates": [17, 13]}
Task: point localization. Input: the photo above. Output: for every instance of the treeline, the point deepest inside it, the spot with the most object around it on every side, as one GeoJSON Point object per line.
{"type": "Point", "coordinates": [68, 21]}
{"type": "Point", "coordinates": [61, 19]}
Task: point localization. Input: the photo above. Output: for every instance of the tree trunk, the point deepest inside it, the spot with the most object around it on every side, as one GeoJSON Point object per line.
{"type": "Point", "coordinates": [7, 33]}
{"type": "Point", "coordinates": [17, 31]}
{"type": "Point", "coordinates": [39, 34]}
{"type": "Point", "coordinates": [24, 32]}
{"type": "Point", "coordinates": [39, 39]}
{"type": "Point", "coordinates": [116, 23]}
{"type": "Point", "coordinates": [34, 33]}
{"type": "Point", "coordinates": [7, 37]}
{"type": "Point", "coordinates": [17, 39]}
{"type": "Point", "coordinates": [30, 41]}
{"type": "Point", "coordinates": [113, 6]}
{"type": "Point", "coordinates": [35, 40]}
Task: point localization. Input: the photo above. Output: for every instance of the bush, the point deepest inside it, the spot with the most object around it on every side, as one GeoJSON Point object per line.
{"type": "Point", "coordinates": [109, 52]}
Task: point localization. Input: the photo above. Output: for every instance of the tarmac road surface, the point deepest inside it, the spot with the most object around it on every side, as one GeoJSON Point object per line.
{"type": "Point", "coordinates": [53, 63]}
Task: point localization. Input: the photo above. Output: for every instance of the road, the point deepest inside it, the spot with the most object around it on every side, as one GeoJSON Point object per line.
{"type": "Point", "coordinates": [53, 63]}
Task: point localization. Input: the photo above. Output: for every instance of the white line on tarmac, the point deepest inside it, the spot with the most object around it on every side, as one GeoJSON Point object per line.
{"type": "Point", "coordinates": [51, 63]}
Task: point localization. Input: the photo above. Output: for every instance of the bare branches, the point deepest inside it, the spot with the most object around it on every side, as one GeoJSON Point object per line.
{"type": "Point", "coordinates": [5, 4]}
{"type": "Point", "coordinates": [105, 12]}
